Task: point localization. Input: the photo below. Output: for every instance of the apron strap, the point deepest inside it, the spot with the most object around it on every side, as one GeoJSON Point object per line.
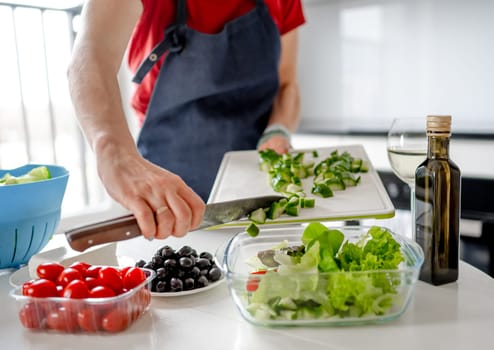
{"type": "Point", "coordinates": [173, 42]}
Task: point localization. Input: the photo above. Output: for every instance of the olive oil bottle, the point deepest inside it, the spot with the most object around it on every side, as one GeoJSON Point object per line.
{"type": "Point", "coordinates": [437, 205]}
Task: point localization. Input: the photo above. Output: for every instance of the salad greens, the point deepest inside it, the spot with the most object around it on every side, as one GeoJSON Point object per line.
{"type": "Point", "coordinates": [36, 174]}
{"type": "Point", "coordinates": [329, 277]}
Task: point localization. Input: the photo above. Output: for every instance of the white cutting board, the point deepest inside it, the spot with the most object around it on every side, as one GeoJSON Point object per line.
{"type": "Point", "coordinates": [239, 176]}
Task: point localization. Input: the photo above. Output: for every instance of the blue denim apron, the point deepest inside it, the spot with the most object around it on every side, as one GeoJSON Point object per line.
{"type": "Point", "coordinates": [214, 94]}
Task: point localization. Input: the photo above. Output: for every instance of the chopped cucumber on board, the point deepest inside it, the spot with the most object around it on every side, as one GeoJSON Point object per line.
{"type": "Point", "coordinates": [36, 174]}
{"type": "Point", "coordinates": [286, 172]}
{"type": "Point", "coordinates": [252, 230]}
{"type": "Point", "coordinates": [334, 173]}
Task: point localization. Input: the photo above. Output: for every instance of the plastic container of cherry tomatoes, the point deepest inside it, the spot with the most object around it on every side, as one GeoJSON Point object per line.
{"type": "Point", "coordinates": [91, 315]}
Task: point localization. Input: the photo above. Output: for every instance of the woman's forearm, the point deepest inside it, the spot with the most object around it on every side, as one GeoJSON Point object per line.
{"type": "Point", "coordinates": [286, 106]}
{"type": "Point", "coordinates": [92, 74]}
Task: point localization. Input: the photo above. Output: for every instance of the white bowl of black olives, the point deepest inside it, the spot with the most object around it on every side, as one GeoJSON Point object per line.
{"type": "Point", "coordinates": [182, 271]}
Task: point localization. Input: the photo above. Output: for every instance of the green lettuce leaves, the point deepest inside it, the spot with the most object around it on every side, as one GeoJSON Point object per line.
{"type": "Point", "coordinates": [333, 277]}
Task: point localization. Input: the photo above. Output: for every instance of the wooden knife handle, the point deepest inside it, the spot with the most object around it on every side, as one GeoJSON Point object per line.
{"type": "Point", "coordinates": [117, 229]}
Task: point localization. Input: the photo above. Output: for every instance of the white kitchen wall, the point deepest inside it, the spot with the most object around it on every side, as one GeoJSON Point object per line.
{"type": "Point", "coordinates": [363, 62]}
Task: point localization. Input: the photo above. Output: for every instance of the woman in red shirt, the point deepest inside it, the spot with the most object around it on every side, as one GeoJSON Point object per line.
{"type": "Point", "coordinates": [212, 76]}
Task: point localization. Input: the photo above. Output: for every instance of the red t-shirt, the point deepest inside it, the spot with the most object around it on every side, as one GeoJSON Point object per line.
{"type": "Point", "coordinates": [207, 16]}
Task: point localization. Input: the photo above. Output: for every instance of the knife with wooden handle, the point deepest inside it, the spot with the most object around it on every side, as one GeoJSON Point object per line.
{"type": "Point", "coordinates": [125, 227]}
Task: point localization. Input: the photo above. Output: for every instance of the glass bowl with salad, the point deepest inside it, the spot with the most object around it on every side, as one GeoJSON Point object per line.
{"type": "Point", "coordinates": [315, 274]}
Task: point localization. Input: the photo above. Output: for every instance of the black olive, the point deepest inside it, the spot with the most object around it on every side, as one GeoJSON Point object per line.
{"type": "Point", "coordinates": [180, 273]}
{"type": "Point", "coordinates": [195, 272]}
{"type": "Point", "coordinates": [202, 282]}
{"type": "Point", "coordinates": [214, 274]}
{"type": "Point", "coordinates": [206, 255]}
{"type": "Point", "coordinates": [167, 252]}
{"type": "Point", "coordinates": [157, 260]}
{"type": "Point", "coordinates": [176, 285]}
{"type": "Point", "coordinates": [140, 263]}
{"type": "Point", "coordinates": [170, 264]}
{"type": "Point", "coordinates": [161, 286]}
{"type": "Point", "coordinates": [189, 283]}
{"type": "Point", "coordinates": [161, 273]}
{"type": "Point", "coordinates": [184, 251]}
{"type": "Point", "coordinates": [203, 263]}
{"type": "Point", "coordinates": [186, 263]}
{"type": "Point", "coordinates": [150, 265]}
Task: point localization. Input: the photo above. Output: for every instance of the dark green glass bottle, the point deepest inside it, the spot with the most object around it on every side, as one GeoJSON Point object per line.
{"type": "Point", "coordinates": [437, 206]}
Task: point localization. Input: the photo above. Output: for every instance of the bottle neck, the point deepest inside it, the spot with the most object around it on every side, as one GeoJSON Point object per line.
{"type": "Point", "coordinates": [438, 147]}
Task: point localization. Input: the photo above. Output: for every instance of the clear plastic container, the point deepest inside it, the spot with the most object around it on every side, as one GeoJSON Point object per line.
{"type": "Point", "coordinates": [92, 315]}
{"type": "Point", "coordinates": [388, 291]}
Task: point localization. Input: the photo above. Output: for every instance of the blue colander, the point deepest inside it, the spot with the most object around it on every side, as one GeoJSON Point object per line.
{"type": "Point", "coordinates": [29, 214]}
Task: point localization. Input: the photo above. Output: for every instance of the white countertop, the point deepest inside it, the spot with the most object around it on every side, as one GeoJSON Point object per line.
{"type": "Point", "coordinates": [454, 316]}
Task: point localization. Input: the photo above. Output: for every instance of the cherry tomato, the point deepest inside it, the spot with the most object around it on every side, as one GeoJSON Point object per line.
{"type": "Point", "coordinates": [25, 286]}
{"type": "Point", "coordinates": [92, 271]}
{"type": "Point", "coordinates": [31, 316]}
{"type": "Point", "coordinates": [140, 301]}
{"type": "Point", "coordinates": [253, 282]}
{"type": "Point", "coordinates": [89, 319]}
{"type": "Point", "coordinates": [76, 289]}
{"type": "Point", "coordinates": [134, 277]}
{"type": "Point", "coordinates": [92, 282]}
{"type": "Point", "coordinates": [49, 270]}
{"type": "Point", "coordinates": [67, 275]}
{"type": "Point", "coordinates": [42, 288]}
{"type": "Point", "coordinates": [60, 290]}
{"type": "Point", "coordinates": [101, 292]}
{"type": "Point", "coordinates": [144, 298]}
{"type": "Point", "coordinates": [110, 277]}
{"type": "Point", "coordinates": [115, 321]}
{"type": "Point", "coordinates": [124, 270]}
{"type": "Point", "coordinates": [63, 319]}
{"type": "Point", "coordinates": [81, 267]}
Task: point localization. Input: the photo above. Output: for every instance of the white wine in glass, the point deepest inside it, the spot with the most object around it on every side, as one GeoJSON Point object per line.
{"type": "Point", "coordinates": [407, 149]}
{"type": "Point", "coordinates": [405, 162]}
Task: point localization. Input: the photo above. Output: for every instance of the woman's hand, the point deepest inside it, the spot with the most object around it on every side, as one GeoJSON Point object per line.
{"type": "Point", "coordinates": [278, 143]}
{"type": "Point", "coordinates": [160, 200]}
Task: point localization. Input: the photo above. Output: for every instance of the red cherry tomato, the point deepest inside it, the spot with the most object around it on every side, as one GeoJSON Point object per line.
{"type": "Point", "coordinates": [31, 316]}
{"type": "Point", "coordinates": [89, 320]}
{"type": "Point", "coordinates": [81, 267]}
{"type": "Point", "coordinates": [101, 292]}
{"type": "Point", "coordinates": [134, 277]}
{"type": "Point", "coordinates": [124, 270]}
{"type": "Point", "coordinates": [49, 270]}
{"type": "Point", "coordinates": [60, 290]}
{"type": "Point", "coordinates": [253, 282]}
{"type": "Point", "coordinates": [115, 321]}
{"type": "Point", "coordinates": [110, 277]}
{"type": "Point", "coordinates": [63, 319]}
{"type": "Point", "coordinates": [42, 288]}
{"type": "Point", "coordinates": [67, 275]}
{"type": "Point", "coordinates": [25, 286]}
{"type": "Point", "coordinates": [92, 282]}
{"type": "Point", "coordinates": [92, 271]}
{"type": "Point", "coordinates": [76, 289]}
{"type": "Point", "coordinates": [144, 298]}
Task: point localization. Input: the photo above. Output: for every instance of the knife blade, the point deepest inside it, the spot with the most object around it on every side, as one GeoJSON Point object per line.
{"type": "Point", "coordinates": [126, 227]}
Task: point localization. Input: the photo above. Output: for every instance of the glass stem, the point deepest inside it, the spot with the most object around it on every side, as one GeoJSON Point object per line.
{"type": "Point", "coordinates": [412, 210]}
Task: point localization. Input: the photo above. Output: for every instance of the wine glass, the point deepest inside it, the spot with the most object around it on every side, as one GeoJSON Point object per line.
{"type": "Point", "coordinates": [407, 148]}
